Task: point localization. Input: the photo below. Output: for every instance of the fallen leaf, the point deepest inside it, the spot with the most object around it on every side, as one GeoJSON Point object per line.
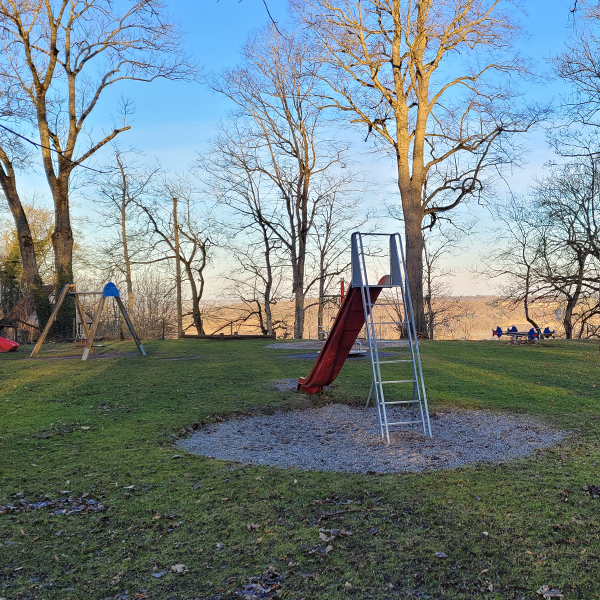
{"type": "Point", "coordinates": [441, 555]}
{"type": "Point", "coordinates": [85, 428]}
{"type": "Point", "coordinates": [159, 574]}
{"type": "Point", "coordinates": [528, 552]}
{"type": "Point", "coordinates": [259, 478]}
{"type": "Point", "coordinates": [347, 585]}
{"type": "Point", "coordinates": [179, 569]}
{"type": "Point", "coordinates": [483, 571]}
{"type": "Point", "coordinates": [491, 587]}
{"type": "Point", "coordinates": [252, 526]}
{"type": "Point", "coordinates": [225, 499]}
{"type": "Point", "coordinates": [485, 533]}
{"type": "Point", "coordinates": [219, 546]}
{"type": "Point", "coordinates": [139, 596]}
{"type": "Point", "coordinates": [328, 549]}
{"type": "Point", "coordinates": [324, 537]}
{"type": "Point", "coordinates": [547, 592]}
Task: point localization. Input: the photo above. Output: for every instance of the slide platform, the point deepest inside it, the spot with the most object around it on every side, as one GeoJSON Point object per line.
{"type": "Point", "coordinates": [8, 345]}
{"type": "Point", "coordinates": [343, 334]}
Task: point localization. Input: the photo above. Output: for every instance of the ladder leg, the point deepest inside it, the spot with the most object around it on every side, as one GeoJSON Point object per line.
{"type": "Point", "coordinates": [368, 398]}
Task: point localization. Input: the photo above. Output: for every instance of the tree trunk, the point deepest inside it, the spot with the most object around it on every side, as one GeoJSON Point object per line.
{"type": "Point", "coordinates": [430, 315]}
{"type": "Point", "coordinates": [196, 314]}
{"type": "Point", "coordinates": [321, 306]}
{"type": "Point", "coordinates": [574, 299]}
{"type": "Point", "coordinates": [31, 272]}
{"type": "Point", "coordinates": [62, 243]}
{"type": "Point", "coordinates": [298, 263]}
{"type": "Point", "coordinates": [568, 319]}
{"type": "Point", "coordinates": [178, 272]}
{"type": "Point", "coordinates": [526, 302]}
{"type": "Point", "coordinates": [268, 313]}
{"type": "Point", "coordinates": [268, 283]}
{"type": "Point", "coordinates": [413, 219]}
{"type": "Point", "coordinates": [127, 261]}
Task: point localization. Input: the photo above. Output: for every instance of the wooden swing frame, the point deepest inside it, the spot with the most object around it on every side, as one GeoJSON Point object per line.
{"type": "Point", "coordinates": [110, 291]}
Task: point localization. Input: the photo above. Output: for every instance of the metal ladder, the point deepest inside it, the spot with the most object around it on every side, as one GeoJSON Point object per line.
{"type": "Point", "coordinates": [398, 278]}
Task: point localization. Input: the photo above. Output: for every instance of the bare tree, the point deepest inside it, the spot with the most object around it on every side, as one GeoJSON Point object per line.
{"type": "Point", "coordinates": [123, 183]}
{"type": "Point", "coordinates": [286, 143]}
{"type": "Point", "coordinates": [197, 235]}
{"type": "Point", "coordinates": [257, 281]}
{"type": "Point", "coordinates": [514, 256]}
{"type": "Point", "coordinates": [422, 77]}
{"type": "Point", "coordinates": [15, 156]}
{"type": "Point", "coordinates": [229, 173]}
{"type": "Point", "coordinates": [64, 55]}
{"type": "Point", "coordinates": [440, 307]}
{"type": "Point", "coordinates": [335, 219]}
{"type": "Point", "coordinates": [549, 248]}
{"type": "Point", "coordinates": [579, 65]}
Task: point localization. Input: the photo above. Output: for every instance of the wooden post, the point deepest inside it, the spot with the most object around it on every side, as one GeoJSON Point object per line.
{"type": "Point", "coordinates": [177, 272]}
{"type": "Point", "coordinates": [66, 289]}
{"type": "Point", "coordinates": [81, 312]}
{"type": "Point", "coordinates": [130, 325]}
{"type": "Point", "coordinates": [90, 340]}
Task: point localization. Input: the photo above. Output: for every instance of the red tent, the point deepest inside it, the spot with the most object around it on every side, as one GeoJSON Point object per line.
{"type": "Point", "coordinates": [7, 345]}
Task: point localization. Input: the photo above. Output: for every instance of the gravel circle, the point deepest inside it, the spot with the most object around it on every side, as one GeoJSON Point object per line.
{"type": "Point", "coordinates": [339, 438]}
{"type": "Point", "coordinates": [316, 345]}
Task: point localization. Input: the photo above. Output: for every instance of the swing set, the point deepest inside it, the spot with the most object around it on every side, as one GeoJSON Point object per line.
{"type": "Point", "coordinates": [110, 291]}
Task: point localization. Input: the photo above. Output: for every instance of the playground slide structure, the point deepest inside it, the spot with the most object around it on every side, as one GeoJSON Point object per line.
{"type": "Point", "coordinates": [8, 345]}
{"type": "Point", "coordinates": [348, 323]}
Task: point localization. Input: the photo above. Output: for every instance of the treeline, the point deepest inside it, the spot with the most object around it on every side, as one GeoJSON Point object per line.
{"type": "Point", "coordinates": [433, 86]}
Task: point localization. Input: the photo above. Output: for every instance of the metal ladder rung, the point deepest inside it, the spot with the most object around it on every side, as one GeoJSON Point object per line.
{"type": "Point", "coordinates": [388, 303]}
{"type": "Point", "coordinates": [389, 323]}
{"type": "Point", "coordinates": [397, 381]}
{"type": "Point", "coordinates": [415, 401]}
{"type": "Point", "coordinates": [389, 362]}
{"type": "Point", "coordinates": [406, 423]}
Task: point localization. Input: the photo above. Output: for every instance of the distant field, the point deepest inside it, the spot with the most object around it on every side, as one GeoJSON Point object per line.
{"type": "Point", "coordinates": [103, 431]}
{"type": "Point", "coordinates": [463, 317]}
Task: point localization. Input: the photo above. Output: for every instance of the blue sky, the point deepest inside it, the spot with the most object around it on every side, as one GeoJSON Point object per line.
{"type": "Point", "coordinates": [174, 120]}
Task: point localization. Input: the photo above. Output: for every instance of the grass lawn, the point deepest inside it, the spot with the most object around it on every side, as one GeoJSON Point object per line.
{"type": "Point", "coordinates": [104, 431]}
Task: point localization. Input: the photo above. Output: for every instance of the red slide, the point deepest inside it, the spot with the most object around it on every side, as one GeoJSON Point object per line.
{"type": "Point", "coordinates": [345, 330]}
{"type": "Point", "coordinates": [7, 345]}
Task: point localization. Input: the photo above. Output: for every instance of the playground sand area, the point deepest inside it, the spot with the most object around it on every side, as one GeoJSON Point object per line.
{"type": "Point", "coordinates": [341, 438]}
